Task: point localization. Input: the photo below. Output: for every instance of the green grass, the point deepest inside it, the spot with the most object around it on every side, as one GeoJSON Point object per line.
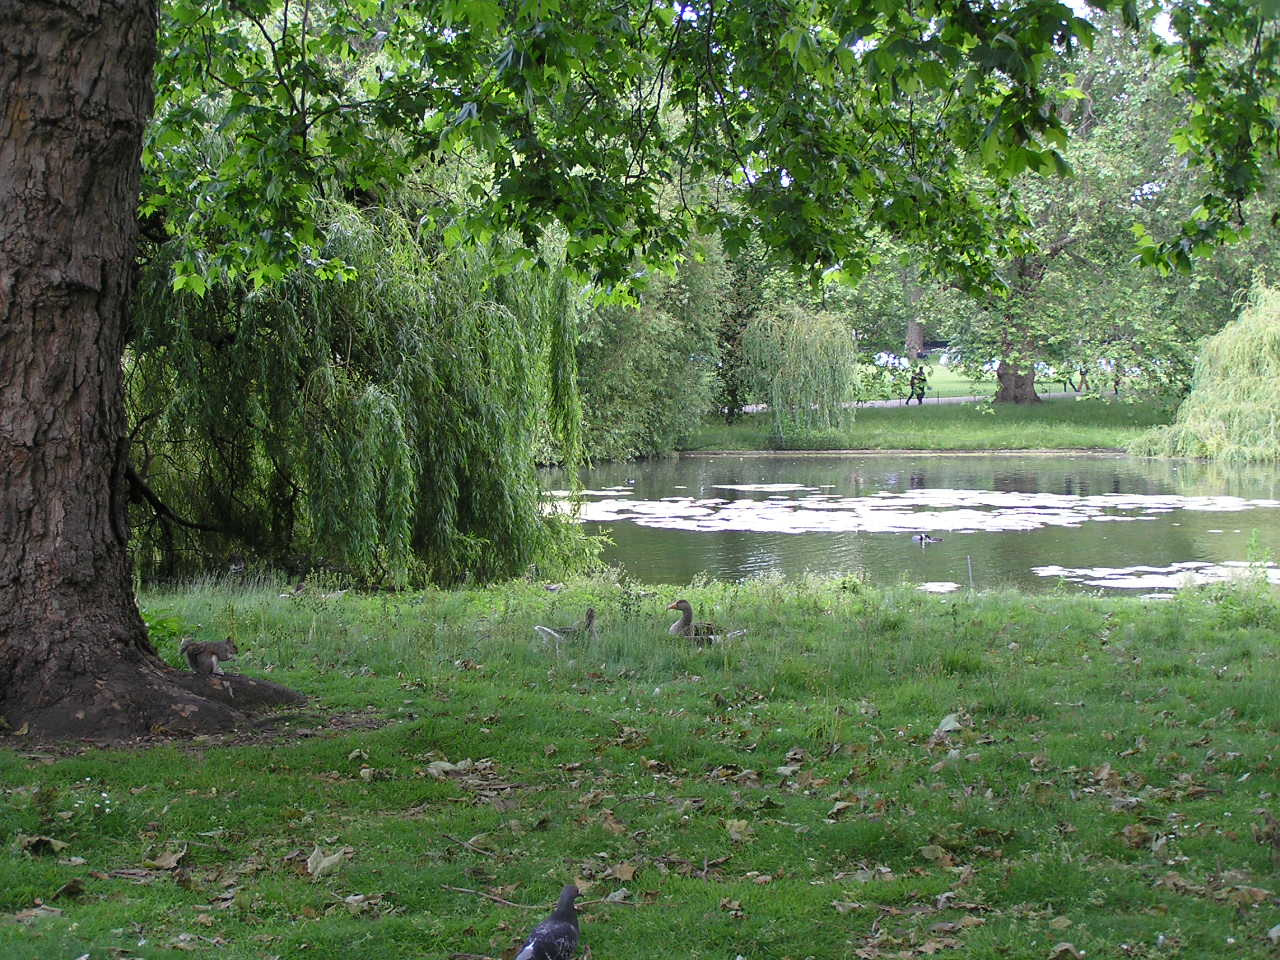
{"type": "Point", "coordinates": [1053, 424]}
{"type": "Point", "coordinates": [1102, 787]}
{"type": "Point", "coordinates": [949, 382]}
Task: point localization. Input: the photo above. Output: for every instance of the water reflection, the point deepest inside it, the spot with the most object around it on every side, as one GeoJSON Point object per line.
{"type": "Point", "coordinates": [1028, 521]}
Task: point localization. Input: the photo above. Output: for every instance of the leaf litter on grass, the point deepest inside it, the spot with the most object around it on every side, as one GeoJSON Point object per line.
{"type": "Point", "coordinates": [877, 831]}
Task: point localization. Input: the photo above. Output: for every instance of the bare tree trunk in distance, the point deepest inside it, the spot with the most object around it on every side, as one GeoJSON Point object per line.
{"type": "Point", "coordinates": [75, 95]}
{"type": "Point", "coordinates": [913, 343]}
{"type": "Point", "coordinates": [915, 339]}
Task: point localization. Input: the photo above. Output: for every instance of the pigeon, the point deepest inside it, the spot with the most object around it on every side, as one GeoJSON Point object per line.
{"type": "Point", "coordinates": [702, 632]}
{"type": "Point", "coordinates": [924, 538]}
{"type": "Point", "coordinates": [586, 628]}
{"type": "Point", "coordinates": [555, 938]}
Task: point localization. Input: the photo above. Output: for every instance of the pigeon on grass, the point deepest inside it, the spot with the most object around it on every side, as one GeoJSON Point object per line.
{"type": "Point", "coordinates": [555, 938]}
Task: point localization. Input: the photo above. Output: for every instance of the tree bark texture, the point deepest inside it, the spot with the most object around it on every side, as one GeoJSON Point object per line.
{"type": "Point", "coordinates": [75, 95]}
{"type": "Point", "coordinates": [1015, 384]}
{"type": "Point", "coordinates": [914, 342]}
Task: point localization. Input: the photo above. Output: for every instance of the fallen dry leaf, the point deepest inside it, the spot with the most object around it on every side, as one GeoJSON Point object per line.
{"type": "Point", "coordinates": [36, 913]}
{"type": "Point", "coordinates": [949, 724]}
{"type": "Point", "coordinates": [38, 844]}
{"type": "Point", "coordinates": [319, 864]}
{"type": "Point", "coordinates": [1065, 951]}
{"type": "Point", "coordinates": [625, 872]}
{"type": "Point", "coordinates": [167, 860]}
{"type": "Point", "coordinates": [72, 888]}
{"type": "Point", "coordinates": [734, 907]}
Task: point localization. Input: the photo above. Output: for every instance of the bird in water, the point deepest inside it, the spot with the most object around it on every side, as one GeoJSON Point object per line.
{"type": "Point", "coordinates": [701, 632]}
{"type": "Point", "coordinates": [924, 539]}
{"type": "Point", "coordinates": [555, 938]}
{"type": "Point", "coordinates": [586, 628]}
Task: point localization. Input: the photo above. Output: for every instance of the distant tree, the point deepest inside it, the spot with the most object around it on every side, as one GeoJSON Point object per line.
{"type": "Point", "coordinates": [805, 364]}
{"type": "Point", "coordinates": [1073, 296]}
{"type": "Point", "coordinates": [647, 371]}
{"type": "Point", "coordinates": [746, 297]}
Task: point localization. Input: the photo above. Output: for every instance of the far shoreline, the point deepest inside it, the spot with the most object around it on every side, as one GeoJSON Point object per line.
{"type": "Point", "coordinates": [1115, 452]}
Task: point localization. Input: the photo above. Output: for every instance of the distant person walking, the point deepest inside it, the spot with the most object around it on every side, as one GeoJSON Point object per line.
{"type": "Point", "coordinates": [919, 380]}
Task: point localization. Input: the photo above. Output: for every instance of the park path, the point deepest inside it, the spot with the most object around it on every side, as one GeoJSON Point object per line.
{"type": "Point", "coordinates": [931, 401]}
{"type": "Point", "coordinates": [928, 401]}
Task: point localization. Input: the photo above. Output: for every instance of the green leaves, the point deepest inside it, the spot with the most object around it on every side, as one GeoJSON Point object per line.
{"type": "Point", "coordinates": [806, 122]}
{"type": "Point", "coordinates": [378, 405]}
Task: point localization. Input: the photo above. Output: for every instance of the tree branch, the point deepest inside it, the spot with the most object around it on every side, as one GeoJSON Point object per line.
{"type": "Point", "coordinates": [139, 487]}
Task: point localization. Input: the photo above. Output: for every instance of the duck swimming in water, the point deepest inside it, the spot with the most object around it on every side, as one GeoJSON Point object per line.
{"type": "Point", "coordinates": [923, 539]}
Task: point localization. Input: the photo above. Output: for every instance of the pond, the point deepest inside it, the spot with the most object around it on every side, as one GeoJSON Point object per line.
{"type": "Point", "coordinates": [1028, 521]}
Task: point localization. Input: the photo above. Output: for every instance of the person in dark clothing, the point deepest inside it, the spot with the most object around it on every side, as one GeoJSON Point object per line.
{"type": "Point", "coordinates": [919, 379]}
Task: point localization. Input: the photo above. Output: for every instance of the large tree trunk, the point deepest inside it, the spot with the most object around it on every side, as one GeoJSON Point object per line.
{"type": "Point", "coordinates": [914, 342]}
{"type": "Point", "coordinates": [75, 94]}
{"type": "Point", "coordinates": [1015, 384]}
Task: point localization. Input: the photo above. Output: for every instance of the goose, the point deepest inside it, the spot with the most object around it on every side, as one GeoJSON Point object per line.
{"type": "Point", "coordinates": [702, 632]}
{"type": "Point", "coordinates": [586, 628]}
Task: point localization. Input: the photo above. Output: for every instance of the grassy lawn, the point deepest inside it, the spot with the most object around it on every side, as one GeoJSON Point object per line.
{"type": "Point", "coordinates": [1053, 424]}
{"type": "Point", "coordinates": [867, 773]}
{"type": "Point", "coordinates": [947, 382]}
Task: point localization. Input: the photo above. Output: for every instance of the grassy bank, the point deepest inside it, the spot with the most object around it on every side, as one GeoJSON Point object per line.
{"type": "Point", "coordinates": [865, 774]}
{"type": "Point", "coordinates": [1053, 424]}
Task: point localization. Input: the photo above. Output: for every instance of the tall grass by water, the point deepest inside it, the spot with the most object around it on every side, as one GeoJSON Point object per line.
{"type": "Point", "coordinates": [867, 772]}
{"type": "Point", "coordinates": [1053, 424]}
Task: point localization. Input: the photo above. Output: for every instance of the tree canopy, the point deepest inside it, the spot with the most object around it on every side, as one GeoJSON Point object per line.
{"type": "Point", "coordinates": [630, 126]}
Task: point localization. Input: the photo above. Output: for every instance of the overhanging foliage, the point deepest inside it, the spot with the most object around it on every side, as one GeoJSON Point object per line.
{"type": "Point", "coordinates": [383, 425]}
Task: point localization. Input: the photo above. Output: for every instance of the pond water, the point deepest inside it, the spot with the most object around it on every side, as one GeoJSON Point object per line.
{"type": "Point", "coordinates": [1033, 522]}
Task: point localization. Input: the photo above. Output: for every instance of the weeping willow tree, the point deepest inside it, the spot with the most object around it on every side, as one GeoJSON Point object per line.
{"type": "Point", "coordinates": [646, 371]}
{"type": "Point", "coordinates": [1233, 410]}
{"type": "Point", "coordinates": [806, 366]}
{"type": "Point", "coordinates": [382, 425]}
